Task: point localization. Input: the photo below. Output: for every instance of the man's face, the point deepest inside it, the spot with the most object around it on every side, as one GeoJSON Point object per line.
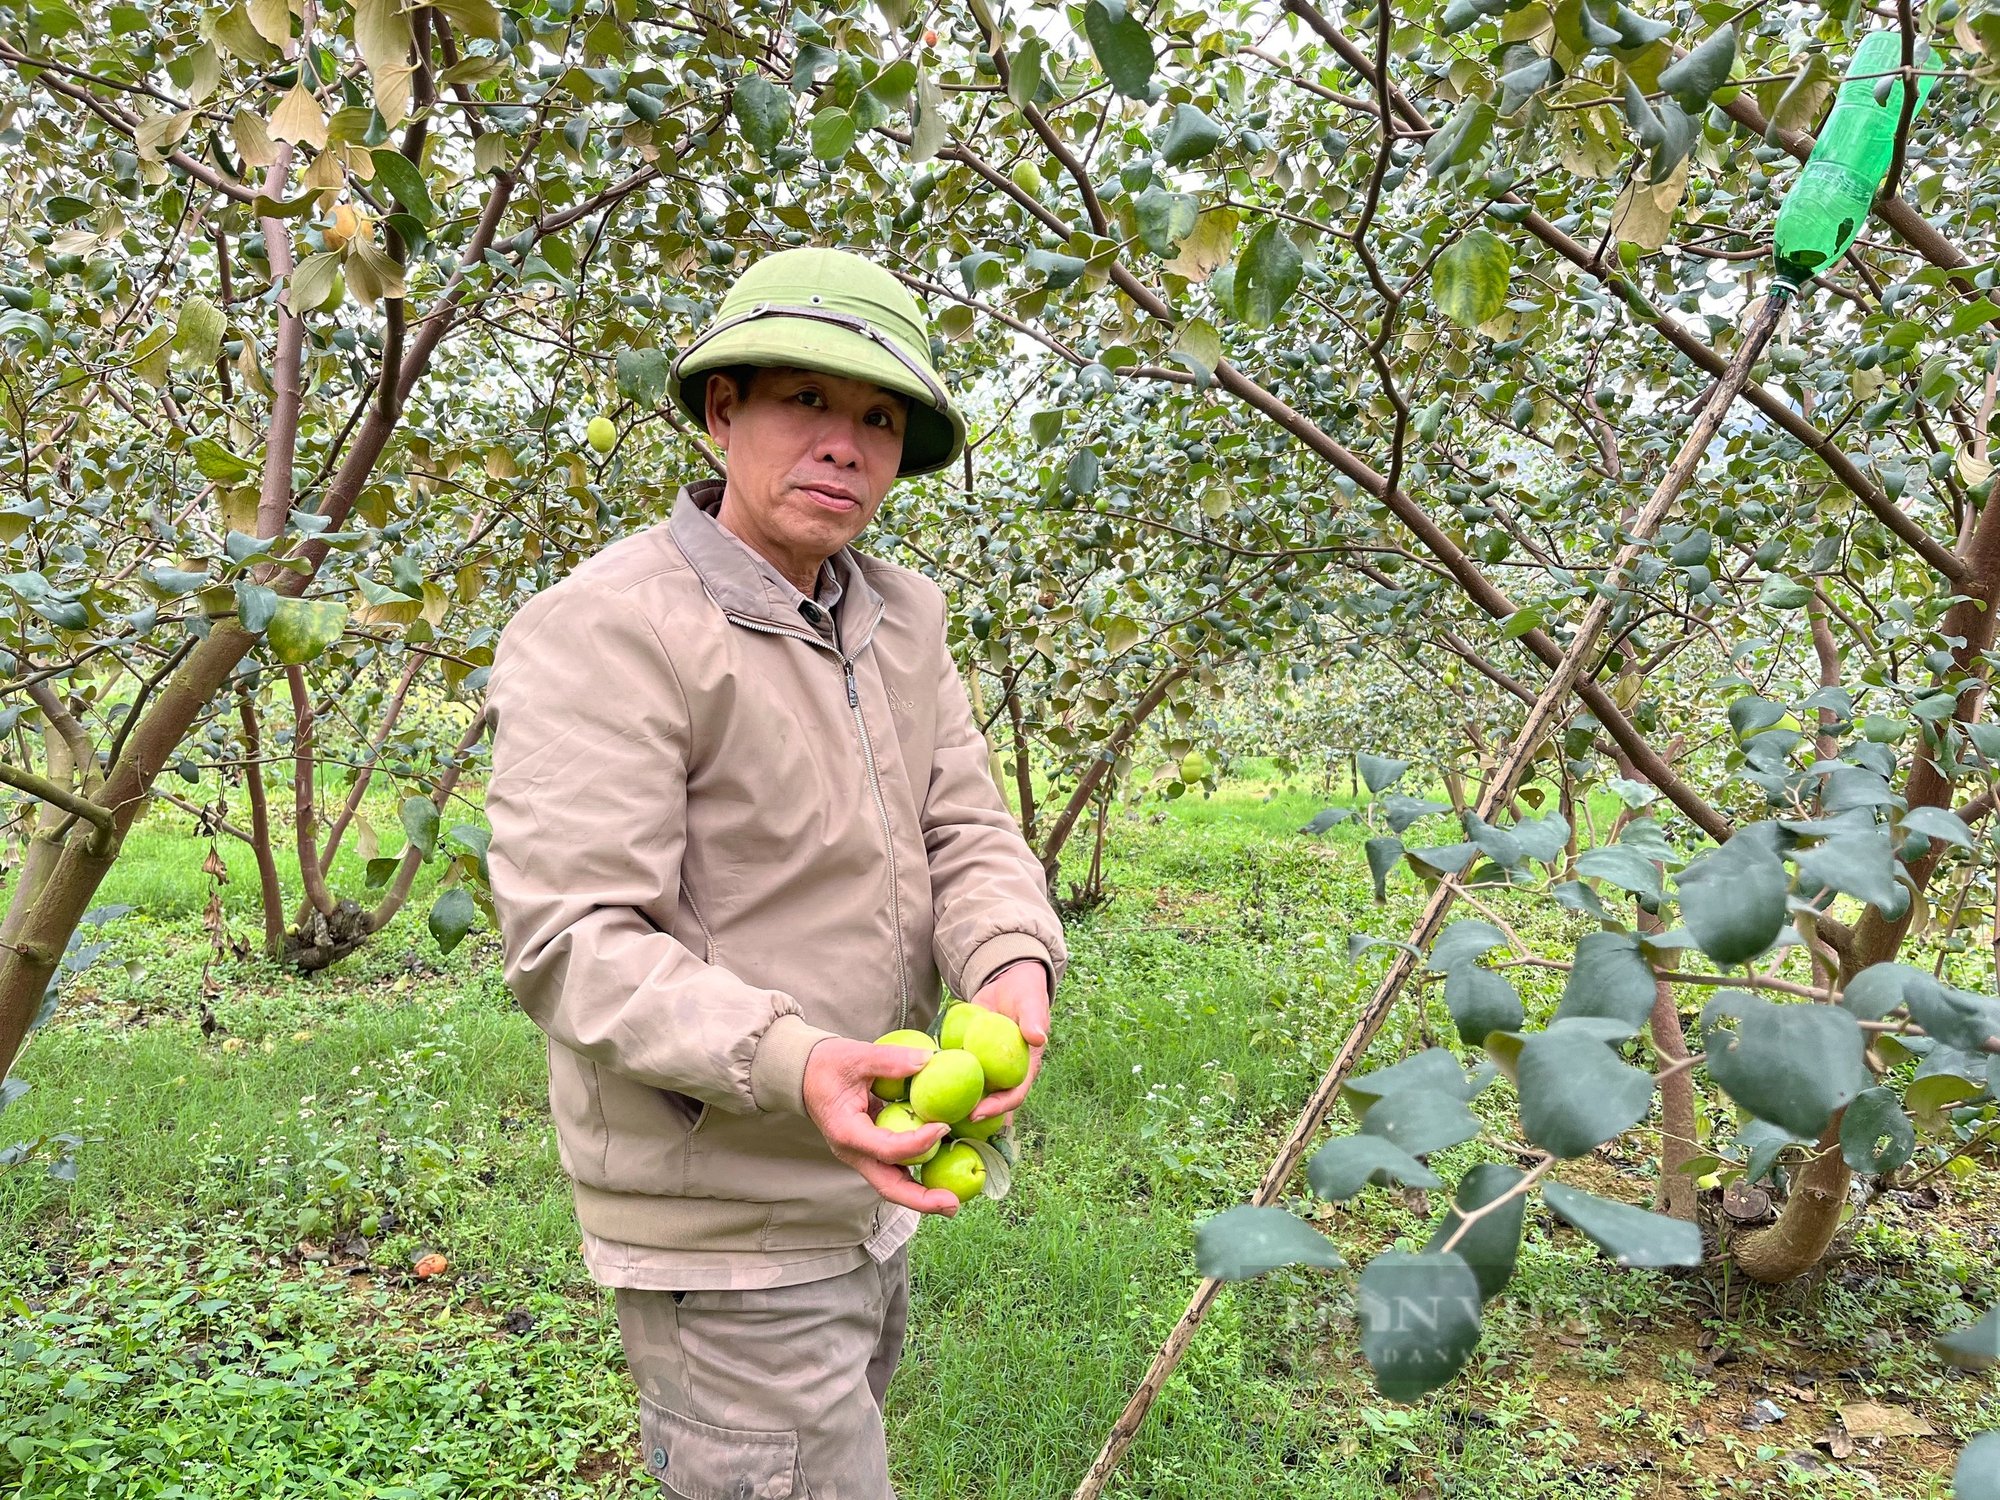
{"type": "Point", "coordinates": [809, 458]}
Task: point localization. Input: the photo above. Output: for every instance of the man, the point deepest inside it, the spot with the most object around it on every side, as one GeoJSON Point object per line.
{"type": "Point", "coordinates": [743, 824]}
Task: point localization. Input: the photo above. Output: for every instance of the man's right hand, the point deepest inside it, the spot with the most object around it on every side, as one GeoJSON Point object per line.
{"type": "Point", "coordinates": [838, 1096]}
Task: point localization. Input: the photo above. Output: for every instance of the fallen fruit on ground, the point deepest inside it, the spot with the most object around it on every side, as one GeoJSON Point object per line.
{"type": "Point", "coordinates": [899, 1088]}
{"type": "Point", "coordinates": [430, 1265]}
{"type": "Point", "coordinates": [901, 1118]}
{"type": "Point", "coordinates": [958, 1170]}
{"type": "Point", "coordinates": [950, 1084]}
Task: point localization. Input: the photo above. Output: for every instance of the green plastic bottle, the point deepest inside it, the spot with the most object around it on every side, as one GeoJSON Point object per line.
{"type": "Point", "coordinates": [1829, 203]}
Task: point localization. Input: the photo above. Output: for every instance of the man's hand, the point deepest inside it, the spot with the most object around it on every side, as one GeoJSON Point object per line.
{"type": "Point", "coordinates": [838, 1101]}
{"type": "Point", "coordinates": [1021, 990]}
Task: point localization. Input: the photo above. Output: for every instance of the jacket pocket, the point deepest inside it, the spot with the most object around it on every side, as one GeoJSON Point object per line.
{"type": "Point", "coordinates": [703, 1462]}
{"type": "Point", "coordinates": [694, 1111]}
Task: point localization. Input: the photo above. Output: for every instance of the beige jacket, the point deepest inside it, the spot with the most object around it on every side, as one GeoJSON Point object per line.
{"type": "Point", "coordinates": [718, 839]}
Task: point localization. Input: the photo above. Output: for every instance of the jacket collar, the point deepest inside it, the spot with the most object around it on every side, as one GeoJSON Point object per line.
{"type": "Point", "coordinates": [735, 583]}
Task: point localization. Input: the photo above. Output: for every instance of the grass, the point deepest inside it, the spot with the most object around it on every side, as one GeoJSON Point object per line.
{"type": "Point", "coordinates": [223, 1304]}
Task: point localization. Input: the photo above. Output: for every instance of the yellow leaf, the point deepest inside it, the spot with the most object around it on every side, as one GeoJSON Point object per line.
{"type": "Point", "coordinates": [436, 602]}
{"type": "Point", "coordinates": [324, 172]}
{"type": "Point", "coordinates": [253, 140]}
{"type": "Point", "coordinates": [238, 509]}
{"type": "Point", "coordinates": [1645, 213]}
{"type": "Point", "coordinates": [490, 153]}
{"type": "Point", "coordinates": [299, 119]}
{"type": "Point", "coordinates": [472, 18]}
{"type": "Point", "coordinates": [1211, 243]}
{"type": "Point", "coordinates": [150, 356]}
{"type": "Point", "coordinates": [161, 133]}
{"type": "Point", "coordinates": [273, 20]}
{"type": "Point", "coordinates": [233, 31]}
{"type": "Point", "coordinates": [371, 274]}
{"type": "Point", "coordinates": [205, 72]}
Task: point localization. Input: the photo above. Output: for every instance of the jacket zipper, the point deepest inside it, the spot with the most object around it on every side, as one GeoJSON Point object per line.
{"type": "Point", "coordinates": [888, 842]}
{"type": "Point", "coordinates": [874, 787]}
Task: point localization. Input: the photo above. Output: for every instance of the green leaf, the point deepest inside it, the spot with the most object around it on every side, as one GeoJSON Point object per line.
{"type": "Point", "coordinates": [1955, 1017]}
{"type": "Point", "coordinates": [1575, 1092]}
{"type": "Point", "coordinates": [1497, 844]}
{"type": "Point", "coordinates": [1191, 136]}
{"type": "Point", "coordinates": [1779, 592]}
{"type": "Point", "coordinates": [1056, 269]}
{"type": "Point", "coordinates": [1634, 30]}
{"type": "Point", "coordinates": [1519, 85]}
{"type": "Point", "coordinates": [1880, 988]}
{"type": "Point", "coordinates": [1932, 1098]}
{"type": "Point", "coordinates": [1461, 139]}
{"type": "Point", "coordinates": [1082, 473]}
{"type": "Point", "coordinates": [1267, 274]}
{"type": "Point", "coordinates": [1938, 823]}
{"type": "Point", "coordinates": [452, 917]}
{"type": "Point", "coordinates": [1344, 1166]}
{"type": "Point", "coordinates": [10, 1090]}
{"type": "Point", "coordinates": [1493, 1242]}
{"type": "Point", "coordinates": [1543, 839]}
{"type": "Point", "coordinates": [311, 282]}
{"type": "Point", "coordinates": [833, 133]}
{"type": "Point", "coordinates": [1123, 47]}
{"type": "Point", "coordinates": [1433, 1068]}
{"type": "Point", "coordinates": [420, 822]}
{"type": "Point", "coordinates": [1379, 773]}
{"type": "Point", "coordinates": [1403, 811]}
{"type": "Point", "coordinates": [1630, 1236]}
{"type": "Point", "coordinates": [642, 375]}
{"type": "Point", "coordinates": [1165, 218]}
{"type": "Point", "coordinates": [1383, 855]}
{"type": "Point", "coordinates": [1243, 1242]}
{"type": "Point", "coordinates": [218, 463]}
{"type": "Point", "coordinates": [198, 331]}
{"type": "Point", "coordinates": [1693, 78]}
{"type": "Point", "coordinates": [1421, 1121]}
{"type": "Point", "coordinates": [302, 628]}
{"type": "Point", "coordinates": [1974, 1347]}
{"type": "Point", "coordinates": [405, 181]}
{"type": "Point", "coordinates": [1462, 942]}
{"type": "Point", "coordinates": [1875, 1135]}
{"type": "Point", "coordinates": [1978, 1473]}
{"type": "Point", "coordinates": [1419, 1320]}
{"type": "Point", "coordinates": [1793, 1065]}
{"type": "Point", "coordinates": [1469, 281]}
{"type": "Point", "coordinates": [1481, 1003]}
{"type": "Point", "coordinates": [255, 605]}
{"type": "Point", "coordinates": [1024, 75]}
{"type": "Point", "coordinates": [1733, 900]}
{"type": "Point", "coordinates": [380, 871]}
{"type": "Point", "coordinates": [1625, 868]}
{"type": "Point", "coordinates": [1610, 978]}
{"type": "Point", "coordinates": [763, 112]}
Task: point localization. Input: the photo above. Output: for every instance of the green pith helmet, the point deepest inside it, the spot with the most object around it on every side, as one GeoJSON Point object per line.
{"type": "Point", "coordinates": [832, 311]}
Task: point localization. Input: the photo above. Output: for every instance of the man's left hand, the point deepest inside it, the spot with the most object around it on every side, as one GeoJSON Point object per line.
{"type": "Point", "coordinates": [1021, 991]}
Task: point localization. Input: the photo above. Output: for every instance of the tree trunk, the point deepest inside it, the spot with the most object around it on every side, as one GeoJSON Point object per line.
{"type": "Point", "coordinates": [1808, 1221]}
{"type": "Point", "coordinates": [1678, 1132]}
{"type": "Point", "coordinates": [271, 893]}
